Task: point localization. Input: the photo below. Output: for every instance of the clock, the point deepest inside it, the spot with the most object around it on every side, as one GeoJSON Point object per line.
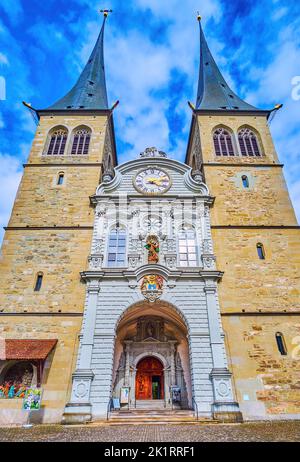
{"type": "Point", "coordinates": [152, 181]}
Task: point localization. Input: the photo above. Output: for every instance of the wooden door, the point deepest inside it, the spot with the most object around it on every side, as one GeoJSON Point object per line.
{"type": "Point", "coordinates": [146, 369]}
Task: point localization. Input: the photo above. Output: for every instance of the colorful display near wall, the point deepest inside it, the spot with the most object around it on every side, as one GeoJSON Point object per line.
{"type": "Point", "coordinates": [32, 400]}
{"type": "Point", "coordinates": [12, 390]}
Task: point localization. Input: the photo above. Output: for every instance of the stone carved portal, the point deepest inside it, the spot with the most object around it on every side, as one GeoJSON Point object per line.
{"type": "Point", "coordinates": [149, 383]}
{"type": "Point", "coordinates": [151, 357]}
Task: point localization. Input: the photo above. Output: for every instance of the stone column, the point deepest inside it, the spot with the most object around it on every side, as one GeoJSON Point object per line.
{"type": "Point", "coordinates": [224, 407]}
{"type": "Point", "coordinates": [79, 408]}
{"type": "Point", "coordinates": [127, 345]}
{"type": "Point", "coordinates": [172, 362]}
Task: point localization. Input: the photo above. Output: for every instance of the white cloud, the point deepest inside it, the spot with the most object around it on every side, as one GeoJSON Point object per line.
{"type": "Point", "coordinates": [3, 59]}
{"type": "Point", "coordinates": [10, 176]}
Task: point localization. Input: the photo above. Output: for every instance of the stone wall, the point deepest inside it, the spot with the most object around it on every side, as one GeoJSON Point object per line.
{"type": "Point", "coordinates": [59, 255]}
{"type": "Point", "coordinates": [252, 284]}
{"type": "Point", "coordinates": [56, 379]}
{"type": "Point", "coordinates": [267, 383]}
{"type": "Point", "coordinates": [50, 231]}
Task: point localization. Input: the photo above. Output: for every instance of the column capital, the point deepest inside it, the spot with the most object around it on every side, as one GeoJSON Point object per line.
{"type": "Point", "coordinates": [93, 286]}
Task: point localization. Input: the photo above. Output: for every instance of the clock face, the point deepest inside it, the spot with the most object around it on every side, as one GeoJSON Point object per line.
{"type": "Point", "coordinates": [152, 181]}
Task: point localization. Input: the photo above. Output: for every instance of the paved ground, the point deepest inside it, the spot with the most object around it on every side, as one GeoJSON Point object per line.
{"type": "Point", "coordinates": [264, 432]}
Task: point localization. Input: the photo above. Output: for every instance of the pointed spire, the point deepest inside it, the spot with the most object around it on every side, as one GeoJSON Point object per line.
{"type": "Point", "coordinates": [89, 92]}
{"type": "Point", "coordinates": [213, 91]}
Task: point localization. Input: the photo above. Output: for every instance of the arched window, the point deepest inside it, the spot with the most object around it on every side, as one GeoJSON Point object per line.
{"type": "Point", "coordinates": [81, 141]}
{"type": "Point", "coordinates": [58, 140]}
{"type": "Point", "coordinates": [245, 181]}
{"type": "Point", "coordinates": [16, 379]}
{"type": "Point", "coordinates": [248, 143]}
{"type": "Point", "coordinates": [60, 178]}
{"type": "Point", "coordinates": [187, 247]}
{"type": "Point", "coordinates": [116, 255]}
{"type": "Point", "coordinates": [223, 143]}
{"type": "Point", "coordinates": [38, 282]}
{"type": "Point", "coordinates": [281, 343]}
{"type": "Point", "coordinates": [260, 251]}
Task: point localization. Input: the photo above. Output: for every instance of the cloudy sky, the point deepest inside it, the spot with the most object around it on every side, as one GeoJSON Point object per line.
{"type": "Point", "coordinates": [152, 57]}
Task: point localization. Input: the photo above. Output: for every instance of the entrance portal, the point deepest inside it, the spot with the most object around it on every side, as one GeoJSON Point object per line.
{"type": "Point", "coordinates": [149, 379]}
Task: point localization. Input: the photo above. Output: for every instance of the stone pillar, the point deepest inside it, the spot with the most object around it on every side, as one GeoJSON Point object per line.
{"type": "Point", "coordinates": [200, 367]}
{"type": "Point", "coordinates": [168, 401]}
{"type": "Point", "coordinates": [79, 408]}
{"type": "Point", "coordinates": [225, 408]}
{"type": "Point", "coordinates": [127, 345]}
{"type": "Point", "coordinates": [172, 362]}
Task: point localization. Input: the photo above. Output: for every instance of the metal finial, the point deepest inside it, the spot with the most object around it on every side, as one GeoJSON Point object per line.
{"type": "Point", "coordinates": [106, 12]}
{"type": "Point", "coordinates": [198, 16]}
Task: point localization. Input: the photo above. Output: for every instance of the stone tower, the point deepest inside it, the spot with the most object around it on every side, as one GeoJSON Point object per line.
{"type": "Point", "coordinates": [256, 242]}
{"type": "Point", "coordinates": [48, 238]}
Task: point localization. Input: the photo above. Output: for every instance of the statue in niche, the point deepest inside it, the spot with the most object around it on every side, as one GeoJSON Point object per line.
{"type": "Point", "coordinates": [150, 329]}
{"type": "Point", "coordinates": [152, 246]}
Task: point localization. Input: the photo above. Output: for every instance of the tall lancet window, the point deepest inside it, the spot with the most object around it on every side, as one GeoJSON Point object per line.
{"type": "Point", "coordinates": [81, 141]}
{"type": "Point", "coordinates": [248, 143]}
{"type": "Point", "coordinates": [187, 247]}
{"type": "Point", "coordinates": [116, 254]}
{"type": "Point", "coordinates": [223, 142]}
{"type": "Point", "coordinates": [58, 140]}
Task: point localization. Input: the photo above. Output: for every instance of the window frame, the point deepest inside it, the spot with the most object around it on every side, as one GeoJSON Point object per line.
{"type": "Point", "coordinates": [49, 141]}
{"type": "Point", "coordinates": [282, 348]}
{"type": "Point", "coordinates": [229, 134]}
{"type": "Point", "coordinates": [59, 176]}
{"type": "Point", "coordinates": [244, 150]}
{"type": "Point", "coordinates": [181, 230]}
{"type": "Point", "coordinates": [245, 178]}
{"type": "Point", "coordinates": [88, 136]}
{"type": "Point", "coordinates": [38, 285]}
{"type": "Point", "coordinates": [260, 246]}
{"type": "Point", "coordinates": [125, 264]}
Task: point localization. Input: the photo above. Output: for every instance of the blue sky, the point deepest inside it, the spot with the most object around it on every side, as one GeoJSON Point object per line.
{"type": "Point", "coordinates": [152, 57]}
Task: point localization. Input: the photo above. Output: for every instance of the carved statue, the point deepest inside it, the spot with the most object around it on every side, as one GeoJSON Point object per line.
{"type": "Point", "coordinates": [153, 249]}
{"type": "Point", "coordinates": [150, 329]}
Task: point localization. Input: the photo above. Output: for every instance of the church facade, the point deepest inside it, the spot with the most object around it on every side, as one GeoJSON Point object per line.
{"type": "Point", "coordinates": [154, 284]}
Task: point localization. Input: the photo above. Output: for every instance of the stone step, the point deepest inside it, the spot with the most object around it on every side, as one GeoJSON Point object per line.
{"type": "Point", "coordinates": [126, 412]}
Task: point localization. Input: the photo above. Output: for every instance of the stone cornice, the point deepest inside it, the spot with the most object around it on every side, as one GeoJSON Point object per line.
{"type": "Point", "coordinates": [137, 274]}
{"type": "Point", "coordinates": [239, 164]}
{"type": "Point", "coordinates": [41, 228]}
{"type": "Point", "coordinates": [42, 314]}
{"type": "Point", "coordinates": [67, 164]}
{"type": "Point", "coordinates": [262, 313]}
{"type": "Point", "coordinates": [255, 227]}
{"type": "Point", "coordinates": [208, 200]}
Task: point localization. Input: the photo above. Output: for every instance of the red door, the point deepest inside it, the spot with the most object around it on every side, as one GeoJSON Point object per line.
{"type": "Point", "coordinates": [149, 379]}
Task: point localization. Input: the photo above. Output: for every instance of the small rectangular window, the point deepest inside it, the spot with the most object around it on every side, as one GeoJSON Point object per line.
{"type": "Point", "coordinates": [60, 179]}
{"type": "Point", "coordinates": [38, 283]}
{"type": "Point", "coordinates": [260, 251]}
{"type": "Point", "coordinates": [281, 344]}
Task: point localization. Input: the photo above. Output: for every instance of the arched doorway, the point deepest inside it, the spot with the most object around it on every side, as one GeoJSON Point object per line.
{"type": "Point", "coordinates": [149, 379]}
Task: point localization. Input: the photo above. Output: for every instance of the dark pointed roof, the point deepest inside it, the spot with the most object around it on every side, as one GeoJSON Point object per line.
{"type": "Point", "coordinates": [90, 90]}
{"type": "Point", "coordinates": [213, 91]}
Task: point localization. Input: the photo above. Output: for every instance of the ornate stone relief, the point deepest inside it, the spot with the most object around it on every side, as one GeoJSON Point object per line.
{"type": "Point", "coordinates": [95, 262]}
{"type": "Point", "coordinates": [133, 261]}
{"type": "Point", "coordinates": [152, 152]}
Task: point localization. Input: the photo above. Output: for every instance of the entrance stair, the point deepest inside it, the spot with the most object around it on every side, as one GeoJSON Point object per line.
{"type": "Point", "coordinates": [154, 412]}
